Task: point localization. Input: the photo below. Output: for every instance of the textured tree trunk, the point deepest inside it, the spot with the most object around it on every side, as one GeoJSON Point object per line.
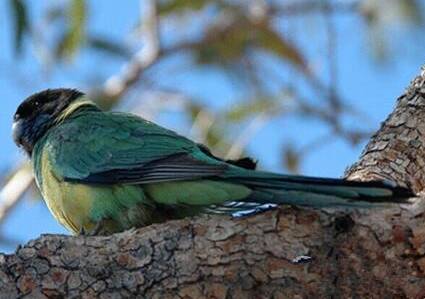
{"type": "Point", "coordinates": [286, 253]}
{"type": "Point", "coordinates": [396, 151]}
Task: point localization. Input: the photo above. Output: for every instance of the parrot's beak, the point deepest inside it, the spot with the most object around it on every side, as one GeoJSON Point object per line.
{"type": "Point", "coordinates": [17, 132]}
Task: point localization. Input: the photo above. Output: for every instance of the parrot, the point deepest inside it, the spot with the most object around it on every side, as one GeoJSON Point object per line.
{"type": "Point", "coordinates": [103, 172]}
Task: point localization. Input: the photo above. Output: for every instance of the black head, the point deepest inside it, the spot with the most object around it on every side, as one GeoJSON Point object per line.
{"type": "Point", "coordinates": [38, 113]}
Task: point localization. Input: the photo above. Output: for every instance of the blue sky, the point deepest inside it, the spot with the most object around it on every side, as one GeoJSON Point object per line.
{"type": "Point", "coordinates": [370, 87]}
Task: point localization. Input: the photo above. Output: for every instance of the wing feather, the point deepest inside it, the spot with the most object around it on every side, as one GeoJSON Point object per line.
{"type": "Point", "coordinates": [111, 148]}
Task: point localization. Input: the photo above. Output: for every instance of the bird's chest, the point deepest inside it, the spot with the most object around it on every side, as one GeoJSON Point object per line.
{"type": "Point", "coordinates": [69, 203]}
{"type": "Point", "coordinates": [80, 206]}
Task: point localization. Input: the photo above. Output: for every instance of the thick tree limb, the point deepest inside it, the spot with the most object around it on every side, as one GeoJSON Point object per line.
{"type": "Point", "coordinates": [397, 151]}
{"type": "Point", "coordinates": [287, 253]}
{"type": "Point", "coordinates": [377, 254]}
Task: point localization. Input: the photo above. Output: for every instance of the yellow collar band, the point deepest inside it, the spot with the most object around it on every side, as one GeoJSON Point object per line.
{"type": "Point", "coordinates": [73, 107]}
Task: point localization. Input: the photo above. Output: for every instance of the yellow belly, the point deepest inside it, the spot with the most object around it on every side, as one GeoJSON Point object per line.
{"type": "Point", "coordinates": [79, 206]}
{"type": "Point", "coordinates": [69, 203]}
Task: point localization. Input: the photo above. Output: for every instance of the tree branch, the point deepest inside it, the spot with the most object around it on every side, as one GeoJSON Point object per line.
{"type": "Point", "coordinates": [116, 85]}
{"type": "Point", "coordinates": [219, 257]}
{"type": "Point", "coordinates": [14, 189]}
{"type": "Point", "coordinates": [397, 151]}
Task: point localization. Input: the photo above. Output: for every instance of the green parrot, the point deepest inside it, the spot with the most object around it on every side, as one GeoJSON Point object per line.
{"type": "Point", "coordinates": [105, 172]}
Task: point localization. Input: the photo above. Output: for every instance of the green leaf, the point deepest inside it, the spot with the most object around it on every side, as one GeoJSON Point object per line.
{"type": "Point", "coordinates": [291, 159]}
{"type": "Point", "coordinates": [108, 46]}
{"type": "Point", "coordinates": [410, 11]}
{"type": "Point", "coordinates": [223, 44]}
{"type": "Point", "coordinates": [276, 44]}
{"type": "Point", "coordinates": [384, 13]}
{"type": "Point", "coordinates": [228, 44]}
{"type": "Point", "coordinates": [216, 136]}
{"type": "Point", "coordinates": [179, 6]}
{"type": "Point", "coordinates": [248, 109]}
{"type": "Point", "coordinates": [20, 19]}
{"type": "Point", "coordinates": [74, 34]}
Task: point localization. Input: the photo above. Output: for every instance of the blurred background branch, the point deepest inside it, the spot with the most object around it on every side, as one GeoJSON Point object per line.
{"type": "Point", "coordinates": [14, 190]}
{"type": "Point", "coordinates": [116, 86]}
{"type": "Point", "coordinates": [267, 77]}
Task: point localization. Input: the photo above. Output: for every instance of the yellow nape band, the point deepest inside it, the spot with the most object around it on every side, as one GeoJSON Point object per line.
{"type": "Point", "coordinates": [83, 101]}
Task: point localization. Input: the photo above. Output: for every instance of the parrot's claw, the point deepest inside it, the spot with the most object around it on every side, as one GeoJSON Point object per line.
{"type": "Point", "coordinates": [97, 229]}
{"type": "Point", "coordinates": [82, 232]}
{"type": "Point", "coordinates": [94, 232]}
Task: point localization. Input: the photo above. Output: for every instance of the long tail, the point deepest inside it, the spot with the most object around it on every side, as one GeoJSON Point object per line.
{"type": "Point", "coordinates": [317, 192]}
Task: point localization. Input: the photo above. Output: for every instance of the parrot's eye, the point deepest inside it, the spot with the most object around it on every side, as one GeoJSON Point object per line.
{"type": "Point", "coordinates": [25, 110]}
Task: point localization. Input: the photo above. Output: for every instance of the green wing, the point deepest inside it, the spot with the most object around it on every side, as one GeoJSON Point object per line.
{"type": "Point", "coordinates": [108, 148]}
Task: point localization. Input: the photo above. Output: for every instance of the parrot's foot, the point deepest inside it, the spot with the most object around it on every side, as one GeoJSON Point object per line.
{"type": "Point", "coordinates": [94, 232]}
{"type": "Point", "coordinates": [97, 229]}
{"type": "Point", "coordinates": [82, 232]}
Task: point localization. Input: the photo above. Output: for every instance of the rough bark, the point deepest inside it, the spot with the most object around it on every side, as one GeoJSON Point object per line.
{"type": "Point", "coordinates": [396, 151]}
{"type": "Point", "coordinates": [286, 253]}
